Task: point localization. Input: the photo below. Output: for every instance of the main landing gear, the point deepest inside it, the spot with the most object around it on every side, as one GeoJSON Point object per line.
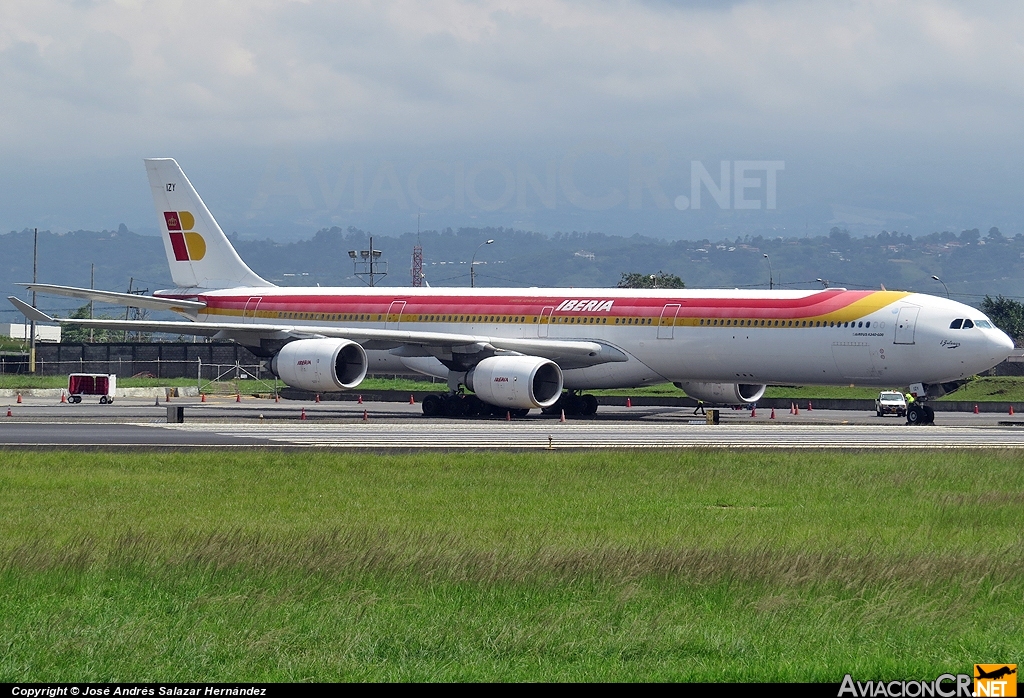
{"type": "Point", "coordinates": [456, 405]}
{"type": "Point", "coordinates": [462, 405]}
{"type": "Point", "coordinates": [574, 405]}
{"type": "Point", "coordinates": [919, 414]}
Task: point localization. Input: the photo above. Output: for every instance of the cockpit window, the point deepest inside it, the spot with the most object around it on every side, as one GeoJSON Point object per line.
{"type": "Point", "coordinates": [956, 324]}
{"type": "Point", "coordinates": [968, 324]}
{"type": "Point", "coordinates": [983, 323]}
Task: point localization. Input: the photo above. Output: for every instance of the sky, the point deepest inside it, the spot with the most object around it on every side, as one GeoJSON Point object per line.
{"type": "Point", "coordinates": [676, 119]}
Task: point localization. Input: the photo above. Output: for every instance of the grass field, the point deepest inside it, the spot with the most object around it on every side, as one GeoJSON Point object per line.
{"type": "Point", "coordinates": [689, 565]}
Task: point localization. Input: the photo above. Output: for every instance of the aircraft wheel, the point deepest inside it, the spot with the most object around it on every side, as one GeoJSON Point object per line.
{"type": "Point", "coordinates": [589, 405]}
{"type": "Point", "coordinates": [573, 404]}
{"type": "Point", "coordinates": [929, 415]}
{"type": "Point", "coordinates": [432, 405]}
{"type": "Point", "coordinates": [915, 415]}
{"type": "Point", "coordinates": [453, 406]}
{"type": "Point", "coordinates": [103, 399]}
{"type": "Point", "coordinates": [474, 407]}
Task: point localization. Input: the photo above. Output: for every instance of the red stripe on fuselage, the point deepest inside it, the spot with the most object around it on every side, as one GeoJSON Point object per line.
{"type": "Point", "coordinates": [812, 305]}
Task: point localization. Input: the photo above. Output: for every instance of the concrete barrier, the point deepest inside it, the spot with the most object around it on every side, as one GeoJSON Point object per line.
{"type": "Point", "coordinates": [160, 392]}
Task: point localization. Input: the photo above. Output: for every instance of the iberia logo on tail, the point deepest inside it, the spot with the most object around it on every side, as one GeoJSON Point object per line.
{"type": "Point", "coordinates": [187, 245]}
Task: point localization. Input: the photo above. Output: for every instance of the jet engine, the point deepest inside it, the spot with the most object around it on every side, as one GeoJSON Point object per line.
{"type": "Point", "coordinates": [516, 382]}
{"type": "Point", "coordinates": [723, 393]}
{"type": "Point", "coordinates": [324, 365]}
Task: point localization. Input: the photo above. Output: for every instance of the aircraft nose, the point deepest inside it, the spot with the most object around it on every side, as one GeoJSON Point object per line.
{"type": "Point", "coordinates": [1004, 345]}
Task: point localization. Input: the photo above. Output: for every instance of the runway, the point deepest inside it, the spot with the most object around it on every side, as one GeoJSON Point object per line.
{"type": "Point", "coordinates": [394, 426]}
{"type": "Point", "coordinates": [523, 435]}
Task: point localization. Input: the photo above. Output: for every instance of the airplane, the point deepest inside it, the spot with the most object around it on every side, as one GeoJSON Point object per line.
{"type": "Point", "coordinates": [519, 349]}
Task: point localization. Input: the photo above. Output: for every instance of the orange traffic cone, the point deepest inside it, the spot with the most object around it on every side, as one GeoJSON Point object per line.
{"type": "Point", "coordinates": [167, 396]}
{"type": "Point", "coordinates": [773, 414]}
{"type": "Point", "coordinates": [796, 408]}
{"type": "Point", "coordinates": [317, 398]}
{"type": "Point", "coordinates": [753, 411]}
{"type": "Point", "coordinates": [563, 416]}
{"type": "Point", "coordinates": [63, 397]}
{"type": "Point", "coordinates": [810, 408]}
{"type": "Point", "coordinates": [412, 400]}
{"type": "Point", "coordinates": [19, 398]}
{"type": "Point", "coordinates": [9, 414]}
{"type": "Point", "coordinates": [629, 402]}
{"type": "Point", "coordinates": [508, 416]}
{"type": "Point", "coordinates": [238, 397]}
{"type": "Point", "coordinates": [277, 397]}
{"type": "Point", "coordinates": [366, 417]}
{"type": "Point", "coordinates": [976, 409]}
{"type": "Point", "coordinates": [202, 397]}
{"type": "Point", "coordinates": [1011, 409]}
{"type": "Point", "coordinates": [303, 415]}
{"type": "Point", "coordinates": [360, 400]}
{"type": "Point", "coordinates": [792, 408]}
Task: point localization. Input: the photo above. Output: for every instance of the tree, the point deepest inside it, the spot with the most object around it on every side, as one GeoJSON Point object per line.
{"type": "Point", "coordinates": [76, 334]}
{"type": "Point", "coordinates": [1007, 314]}
{"type": "Point", "coordinates": [659, 280]}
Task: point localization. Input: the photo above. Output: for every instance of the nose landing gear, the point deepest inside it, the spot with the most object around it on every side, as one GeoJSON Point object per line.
{"type": "Point", "coordinates": [920, 414]}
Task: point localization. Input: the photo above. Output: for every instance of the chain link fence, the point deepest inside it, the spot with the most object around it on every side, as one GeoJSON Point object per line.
{"type": "Point", "coordinates": [159, 360]}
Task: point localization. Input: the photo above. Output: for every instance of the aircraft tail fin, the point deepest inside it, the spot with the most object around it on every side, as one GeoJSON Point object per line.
{"type": "Point", "coordinates": [198, 252]}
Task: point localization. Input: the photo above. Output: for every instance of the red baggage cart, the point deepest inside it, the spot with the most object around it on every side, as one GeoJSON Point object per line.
{"type": "Point", "coordinates": [102, 384]}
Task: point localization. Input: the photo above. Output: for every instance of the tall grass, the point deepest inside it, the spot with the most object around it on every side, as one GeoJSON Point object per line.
{"type": "Point", "coordinates": [697, 565]}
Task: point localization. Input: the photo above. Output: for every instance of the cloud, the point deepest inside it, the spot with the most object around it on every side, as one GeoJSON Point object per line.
{"type": "Point", "coordinates": [870, 103]}
{"type": "Point", "coordinates": [422, 72]}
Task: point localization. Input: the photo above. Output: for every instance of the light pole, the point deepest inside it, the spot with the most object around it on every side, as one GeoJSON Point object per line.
{"type": "Point", "coordinates": [472, 264]}
{"type": "Point", "coordinates": [935, 278]}
{"type": "Point", "coordinates": [771, 282]}
{"type": "Point", "coordinates": [32, 324]}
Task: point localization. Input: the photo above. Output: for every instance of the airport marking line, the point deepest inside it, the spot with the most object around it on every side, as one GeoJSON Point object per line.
{"type": "Point", "coordinates": [497, 435]}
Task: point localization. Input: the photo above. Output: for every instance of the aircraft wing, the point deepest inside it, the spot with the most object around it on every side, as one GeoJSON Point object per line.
{"type": "Point", "coordinates": [129, 299]}
{"type": "Point", "coordinates": [573, 353]}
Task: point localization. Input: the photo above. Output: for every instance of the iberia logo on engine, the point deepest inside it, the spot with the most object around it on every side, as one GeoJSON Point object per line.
{"type": "Point", "coordinates": [187, 245]}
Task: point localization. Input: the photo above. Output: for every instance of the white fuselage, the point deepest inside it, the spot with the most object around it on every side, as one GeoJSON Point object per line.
{"type": "Point", "coordinates": [831, 337]}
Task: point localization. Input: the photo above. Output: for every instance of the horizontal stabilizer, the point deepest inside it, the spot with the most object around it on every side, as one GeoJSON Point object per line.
{"type": "Point", "coordinates": [30, 313]}
{"type": "Point", "coordinates": [131, 300]}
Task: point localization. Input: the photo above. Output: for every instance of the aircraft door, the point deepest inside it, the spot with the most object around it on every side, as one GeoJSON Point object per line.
{"type": "Point", "coordinates": [393, 320]}
{"type": "Point", "coordinates": [249, 313]}
{"type": "Point", "coordinates": [905, 324]}
{"type": "Point", "coordinates": [667, 321]}
{"type": "Point", "coordinates": [545, 320]}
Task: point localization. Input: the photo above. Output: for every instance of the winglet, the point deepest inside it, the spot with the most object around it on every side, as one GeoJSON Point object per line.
{"type": "Point", "coordinates": [30, 313]}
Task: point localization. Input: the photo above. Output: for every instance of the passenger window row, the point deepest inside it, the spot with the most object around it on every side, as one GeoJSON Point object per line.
{"type": "Point", "coordinates": [783, 323]}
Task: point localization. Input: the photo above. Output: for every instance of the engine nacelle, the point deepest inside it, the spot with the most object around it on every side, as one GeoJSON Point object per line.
{"type": "Point", "coordinates": [321, 365]}
{"type": "Point", "coordinates": [519, 382]}
{"type": "Point", "coordinates": [722, 393]}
